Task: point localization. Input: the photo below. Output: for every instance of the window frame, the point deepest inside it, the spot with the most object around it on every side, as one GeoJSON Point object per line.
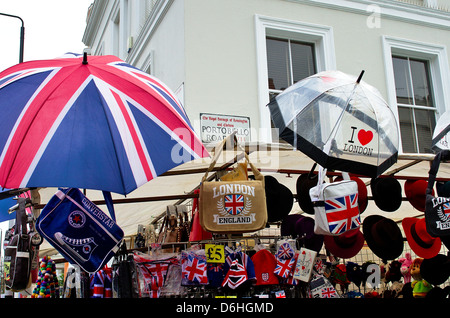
{"type": "Point", "coordinates": [436, 55]}
{"type": "Point", "coordinates": [324, 52]}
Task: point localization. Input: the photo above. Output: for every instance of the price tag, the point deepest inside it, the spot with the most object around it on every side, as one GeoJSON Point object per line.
{"type": "Point", "coordinates": [215, 253]}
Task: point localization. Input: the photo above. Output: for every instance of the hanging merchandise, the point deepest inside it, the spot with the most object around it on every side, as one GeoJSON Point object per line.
{"type": "Point", "coordinates": [239, 270]}
{"type": "Point", "coordinates": [232, 206]}
{"type": "Point", "coordinates": [264, 263]}
{"type": "Point", "coordinates": [420, 241]}
{"type": "Point", "coordinates": [386, 193]}
{"type": "Point", "coordinates": [301, 228]}
{"type": "Point", "coordinates": [194, 268]}
{"type": "Point", "coordinates": [383, 236]}
{"type": "Point", "coordinates": [47, 285]}
{"type": "Point", "coordinates": [197, 232]}
{"type": "Point", "coordinates": [420, 287]}
{"type": "Point", "coordinates": [415, 192]}
{"type": "Point", "coordinates": [335, 205]}
{"type": "Point", "coordinates": [124, 275]}
{"type": "Point", "coordinates": [152, 272]}
{"type": "Point", "coordinates": [19, 253]}
{"type": "Point", "coordinates": [79, 230]}
{"type": "Point", "coordinates": [346, 245]}
{"type": "Point", "coordinates": [322, 288]}
{"type": "Point", "coordinates": [168, 233]}
{"type": "Point", "coordinates": [101, 283]}
{"type": "Point", "coordinates": [437, 209]}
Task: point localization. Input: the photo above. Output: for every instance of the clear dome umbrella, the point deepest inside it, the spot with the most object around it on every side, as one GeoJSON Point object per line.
{"type": "Point", "coordinates": [339, 121]}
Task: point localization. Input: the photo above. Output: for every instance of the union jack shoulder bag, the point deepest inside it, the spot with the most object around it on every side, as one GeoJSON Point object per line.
{"type": "Point", "coordinates": [437, 208]}
{"type": "Point", "coordinates": [237, 206]}
{"type": "Point", "coordinates": [336, 209]}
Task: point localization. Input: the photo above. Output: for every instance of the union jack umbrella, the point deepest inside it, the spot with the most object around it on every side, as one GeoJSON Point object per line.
{"type": "Point", "coordinates": [89, 122]}
{"type": "Point", "coordinates": [339, 121]}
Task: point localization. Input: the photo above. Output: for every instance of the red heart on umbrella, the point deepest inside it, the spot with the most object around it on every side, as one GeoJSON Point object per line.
{"type": "Point", "coordinates": [365, 137]}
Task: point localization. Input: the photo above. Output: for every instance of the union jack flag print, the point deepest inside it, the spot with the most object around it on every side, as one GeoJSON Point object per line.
{"type": "Point", "coordinates": [98, 122]}
{"type": "Point", "coordinates": [446, 209]}
{"type": "Point", "coordinates": [342, 213]}
{"type": "Point", "coordinates": [234, 203]}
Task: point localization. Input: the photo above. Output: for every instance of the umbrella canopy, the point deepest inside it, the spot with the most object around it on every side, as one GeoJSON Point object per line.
{"type": "Point", "coordinates": [339, 121]}
{"type": "Point", "coordinates": [89, 122]}
{"type": "Point", "coordinates": [440, 140]}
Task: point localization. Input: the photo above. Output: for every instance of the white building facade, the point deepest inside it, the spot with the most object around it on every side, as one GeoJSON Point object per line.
{"type": "Point", "coordinates": [225, 59]}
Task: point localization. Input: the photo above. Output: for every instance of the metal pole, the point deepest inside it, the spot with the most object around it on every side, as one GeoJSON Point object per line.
{"type": "Point", "coordinates": [22, 35]}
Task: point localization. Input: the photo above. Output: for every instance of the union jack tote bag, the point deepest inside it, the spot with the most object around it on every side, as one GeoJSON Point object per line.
{"type": "Point", "coordinates": [437, 208]}
{"type": "Point", "coordinates": [336, 209]}
{"type": "Point", "coordinates": [232, 206]}
{"type": "Point", "coordinates": [79, 230]}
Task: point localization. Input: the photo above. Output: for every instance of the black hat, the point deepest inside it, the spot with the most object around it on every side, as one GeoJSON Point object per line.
{"type": "Point", "coordinates": [386, 193]}
{"type": "Point", "coordinates": [279, 199]}
{"type": "Point", "coordinates": [383, 236]}
{"type": "Point", "coordinates": [435, 270]}
{"type": "Point", "coordinates": [304, 183]}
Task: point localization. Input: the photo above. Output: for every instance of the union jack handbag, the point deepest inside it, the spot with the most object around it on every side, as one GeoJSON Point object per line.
{"type": "Point", "coordinates": [336, 207]}
{"type": "Point", "coordinates": [437, 209]}
{"type": "Point", "coordinates": [237, 206]}
{"type": "Point", "coordinates": [79, 230]}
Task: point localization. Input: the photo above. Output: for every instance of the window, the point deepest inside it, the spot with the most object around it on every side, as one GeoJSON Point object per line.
{"type": "Point", "coordinates": [288, 61]}
{"type": "Point", "coordinates": [416, 110]}
{"type": "Point", "coordinates": [288, 51]}
{"type": "Point", "coordinates": [418, 86]}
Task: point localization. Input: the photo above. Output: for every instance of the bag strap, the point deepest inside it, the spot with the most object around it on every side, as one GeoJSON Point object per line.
{"type": "Point", "coordinates": [440, 156]}
{"type": "Point", "coordinates": [218, 150]}
{"type": "Point", "coordinates": [21, 216]}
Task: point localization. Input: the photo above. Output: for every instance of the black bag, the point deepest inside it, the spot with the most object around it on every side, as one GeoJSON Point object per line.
{"type": "Point", "coordinates": [124, 278]}
{"type": "Point", "coordinates": [19, 252]}
{"type": "Point", "coordinates": [437, 209]}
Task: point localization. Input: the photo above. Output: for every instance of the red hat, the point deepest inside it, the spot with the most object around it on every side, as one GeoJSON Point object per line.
{"type": "Point", "coordinates": [264, 263]}
{"type": "Point", "coordinates": [346, 245]}
{"type": "Point", "coordinates": [415, 191]}
{"type": "Point", "coordinates": [420, 241]}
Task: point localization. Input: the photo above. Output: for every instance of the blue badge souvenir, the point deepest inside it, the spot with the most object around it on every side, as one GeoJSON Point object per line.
{"type": "Point", "coordinates": [79, 230]}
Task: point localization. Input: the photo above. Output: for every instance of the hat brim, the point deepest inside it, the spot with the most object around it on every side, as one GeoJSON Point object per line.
{"type": "Point", "coordinates": [392, 248]}
{"type": "Point", "coordinates": [331, 244]}
{"type": "Point", "coordinates": [435, 270]}
{"type": "Point", "coordinates": [428, 252]}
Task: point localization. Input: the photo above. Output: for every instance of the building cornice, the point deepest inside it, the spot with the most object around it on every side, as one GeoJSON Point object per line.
{"type": "Point", "coordinates": [94, 21]}
{"type": "Point", "coordinates": [388, 9]}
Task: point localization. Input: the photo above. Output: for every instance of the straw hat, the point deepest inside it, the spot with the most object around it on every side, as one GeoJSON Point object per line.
{"type": "Point", "coordinates": [420, 241]}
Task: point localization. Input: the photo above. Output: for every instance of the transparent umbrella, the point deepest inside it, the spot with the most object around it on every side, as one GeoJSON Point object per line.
{"type": "Point", "coordinates": [339, 121]}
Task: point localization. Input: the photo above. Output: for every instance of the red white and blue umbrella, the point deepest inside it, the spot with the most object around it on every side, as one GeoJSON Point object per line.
{"type": "Point", "coordinates": [89, 122]}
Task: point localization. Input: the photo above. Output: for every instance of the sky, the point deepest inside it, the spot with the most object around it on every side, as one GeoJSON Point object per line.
{"type": "Point", "coordinates": [52, 28]}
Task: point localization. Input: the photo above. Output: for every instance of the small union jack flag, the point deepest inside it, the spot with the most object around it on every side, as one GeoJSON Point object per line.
{"type": "Point", "coordinates": [342, 213]}
{"type": "Point", "coordinates": [285, 251]}
{"type": "Point", "coordinates": [234, 203]}
{"type": "Point", "coordinates": [446, 209]}
{"type": "Point", "coordinates": [328, 292]}
{"type": "Point", "coordinates": [194, 269]}
{"type": "Point", "coordinates": [284, 267]}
